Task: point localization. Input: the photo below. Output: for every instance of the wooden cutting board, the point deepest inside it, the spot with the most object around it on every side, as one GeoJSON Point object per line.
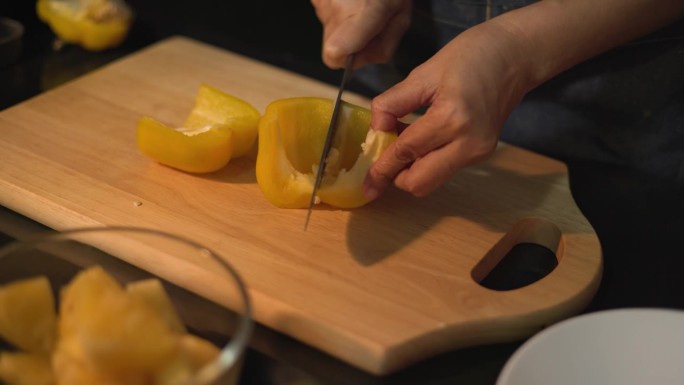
{"type": "Point", "coordinates": [380, 287]}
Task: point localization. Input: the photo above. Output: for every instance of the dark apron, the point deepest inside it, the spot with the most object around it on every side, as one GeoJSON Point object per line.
{"type": "Point", "coordinates": [623, 107]}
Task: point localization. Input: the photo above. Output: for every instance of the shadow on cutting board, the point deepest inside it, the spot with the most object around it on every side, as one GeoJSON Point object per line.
{"type": "Point", "coordinates": [490, 197]}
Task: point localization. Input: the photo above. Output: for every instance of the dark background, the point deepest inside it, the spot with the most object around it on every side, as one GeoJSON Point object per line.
{"type": "Point", "coordinates": [283, 33]}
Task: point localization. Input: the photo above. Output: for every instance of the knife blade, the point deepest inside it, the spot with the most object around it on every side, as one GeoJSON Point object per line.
{"type": "Point", "coordinates": [330, 137]}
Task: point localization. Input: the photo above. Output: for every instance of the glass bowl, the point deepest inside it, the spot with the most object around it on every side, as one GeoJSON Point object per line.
{"type": "Point", "coordinates": [11, 36]}
{"type": "Point", "coordinates": [220, 314]}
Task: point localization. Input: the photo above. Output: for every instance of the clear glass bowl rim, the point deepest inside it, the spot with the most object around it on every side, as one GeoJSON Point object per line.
{"type": "Point", "coordinates": [231, 352]}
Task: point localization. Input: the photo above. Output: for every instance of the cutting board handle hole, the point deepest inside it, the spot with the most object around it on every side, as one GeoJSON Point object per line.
{"type": "Point", "coordinates": [529, 252]}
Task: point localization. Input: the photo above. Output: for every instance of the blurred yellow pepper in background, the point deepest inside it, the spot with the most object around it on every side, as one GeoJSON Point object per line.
{"type": "Point", "coordinates": [95, 25]}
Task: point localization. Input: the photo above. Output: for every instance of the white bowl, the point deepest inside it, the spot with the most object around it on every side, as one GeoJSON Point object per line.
{"type": "Point", "coordinates": [624, 346]}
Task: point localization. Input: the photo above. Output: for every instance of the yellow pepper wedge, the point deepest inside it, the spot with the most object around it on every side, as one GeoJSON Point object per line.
{"type": "Point", "coordinates": [214, 106]}
{"type": "Point", "coordinates": [291, 136]}
{"type": "Point", "coordinates": [220, 127]}
{"type": "Point", "coordinates": [95, 25]}
{"type": "Point", "coordinates": [197, 151]}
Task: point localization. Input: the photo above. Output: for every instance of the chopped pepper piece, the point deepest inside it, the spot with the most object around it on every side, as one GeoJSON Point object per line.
{"type": "Point", "coordinates": [201, 150]}
{"type": "Point", "coordinates": [95, 25]}
{"type": "Point", "coordinates": [220, 127]}
{"type": "Point", "coordinates": [291, 136]}
{"type": "Point", "coordinates": [214, 106]}
{"type": "Point", "coordinates": [28, 324]}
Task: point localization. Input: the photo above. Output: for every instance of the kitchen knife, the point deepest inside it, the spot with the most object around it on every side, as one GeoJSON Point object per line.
{"type": "Point", "coordinates": [330, 137]}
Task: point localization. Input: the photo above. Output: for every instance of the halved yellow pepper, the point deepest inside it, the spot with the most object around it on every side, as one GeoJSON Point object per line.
{"type": "Point", "coordinates": [220, 127]}
{"type": "Point", "coordinates": [291, 136]}
{"type": "Point", "coordinates": [94, 24]}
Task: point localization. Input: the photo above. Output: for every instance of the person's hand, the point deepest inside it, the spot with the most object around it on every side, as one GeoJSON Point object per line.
{"type": "Point", "coordinates": [474, 82]}
{"type": "Point", "coordinates": [471, 86]}
{"type": "Point", "coordinates": [370, 28]}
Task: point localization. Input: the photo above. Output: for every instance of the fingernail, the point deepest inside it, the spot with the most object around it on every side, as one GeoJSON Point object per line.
{"type": "Point", "coordinates": [371, 192]}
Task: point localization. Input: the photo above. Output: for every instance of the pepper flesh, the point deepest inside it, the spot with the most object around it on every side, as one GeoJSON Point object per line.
{"type": "Point", "coordinates": [214, 106]}
{"type": "Point", "coordinates": [197, 151]}
{"type": "Point", "coordinates": [291, 136]}
{"type": "Point", "coordinates": [95, 25]}
{"type": "Point", "coordinates": [220, 127]}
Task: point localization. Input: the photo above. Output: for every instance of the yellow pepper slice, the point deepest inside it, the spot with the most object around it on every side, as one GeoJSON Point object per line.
{"type": "Point", "coordinates": [214, 106]}
{"type": "Point", "coordinates": [201, 150]}
{"type": "Point", "coordinates": [95, 25]}
{"type": "Point", "coordinates": [220, 127]}
{"type": "Point", "coordinates": [291, 136]}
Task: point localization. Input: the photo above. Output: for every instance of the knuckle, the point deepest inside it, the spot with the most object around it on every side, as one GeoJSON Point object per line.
{"type": "Point", "coordinates": [458, 119]}
{"type": "Point", "coordinates": [417, 72]}
{"type": "Point", "coordinates": [378, 104]}
{"type": "Point", "coordinates": [380, 174]}
{"type": "Point", "coordinates": [405, 152]}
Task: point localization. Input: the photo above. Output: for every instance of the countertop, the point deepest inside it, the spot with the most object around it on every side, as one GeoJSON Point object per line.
{"type": "Point", "coordinates": [639, 218]}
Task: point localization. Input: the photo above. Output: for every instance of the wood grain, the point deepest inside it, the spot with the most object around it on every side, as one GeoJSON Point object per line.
{"type": "Point", "coordinates": [380, 287]}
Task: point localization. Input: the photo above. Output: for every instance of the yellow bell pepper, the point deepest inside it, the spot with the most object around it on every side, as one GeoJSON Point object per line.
{"type": "Point", "coordinates": [95, 25]}
{"type": "Point", "coordinates": [220, 127]}
{"type": "Point", "coordinates": [291, 136]}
